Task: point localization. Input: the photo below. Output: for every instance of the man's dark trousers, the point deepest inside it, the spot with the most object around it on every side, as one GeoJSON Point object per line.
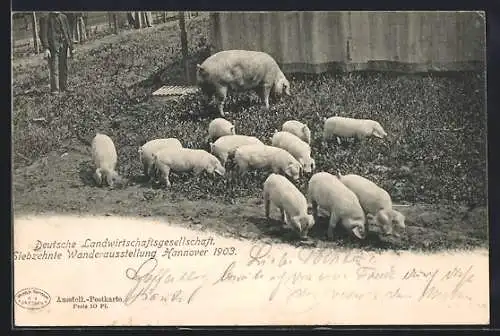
{"type": "Point", "coordinates": [55, 35]}
{"type": "Point", "coordinates": [58, 64]}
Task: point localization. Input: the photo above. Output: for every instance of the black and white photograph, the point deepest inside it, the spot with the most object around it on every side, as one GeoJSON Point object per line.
{"type": "Point", "coordinates": [249, 168]}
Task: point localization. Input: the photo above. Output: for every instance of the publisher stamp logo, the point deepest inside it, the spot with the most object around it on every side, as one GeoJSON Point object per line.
{"type": "Point", "coordinates": [32, 298]}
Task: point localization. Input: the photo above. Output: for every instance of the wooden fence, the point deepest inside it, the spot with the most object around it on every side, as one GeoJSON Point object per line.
{"type": "Point", "coordinates": [315, 42]}
{"type": "Point", "coordinates": [25, 40]}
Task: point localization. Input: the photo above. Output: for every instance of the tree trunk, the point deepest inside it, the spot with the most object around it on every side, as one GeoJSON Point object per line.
{"type": "Point", "coordinates": [115, 23]}
{"type": "Point", "coordinates": [184, 45]}
{"type": "Point", "coordinates": [36, 45]}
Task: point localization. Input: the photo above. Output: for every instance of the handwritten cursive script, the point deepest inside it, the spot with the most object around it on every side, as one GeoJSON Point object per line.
{"type": "Point", "coordinates": [148, 281]}
{"type": "Point", "coordinates": [306, 279]}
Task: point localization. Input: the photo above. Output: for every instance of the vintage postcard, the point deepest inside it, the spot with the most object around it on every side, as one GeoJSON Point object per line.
{"type": "Point", "coordinates": [249, 168]}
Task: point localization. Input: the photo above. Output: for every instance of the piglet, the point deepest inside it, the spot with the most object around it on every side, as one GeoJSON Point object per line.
{"type": "Point", "coordinates": [328, 193]}
{"type": "Point", "coordinates": [376, 202]}
{"type": "Point", "coordinates": [342, 127]}
{"type": "Point", "coordinates": [299, 129]}
{"type": "Point", "coordinates": [226, 145]}
{"type": "Point", "coordinates": [295, 146]}
{"type": "Point", "coordinates": [147, 150]}
{"type": "Point", "coordinates": [267, 157]}
{"type": "Point", "coordinates": [105, 159]}
{"type": "Point", "coordinates": [292, 204]}
{"type": "Point", "coordinates": [218, 128]}
{"type": "Point", "coordinates": [186, 160]}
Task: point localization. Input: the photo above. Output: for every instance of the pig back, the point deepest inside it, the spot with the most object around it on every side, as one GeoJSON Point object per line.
{"type": "Point", "coordinates": [104, 151]}
{"type": "Point", "coordinates": [228, 143]}
{"type": "Point", "coordinates": [371, 197]}
{"type": "Point", "coordinates": [154, 145]}
{"type": "Point", "coordinates": [291, 143]}
{"type": "Point", "coordinates": [283, 192]}
{"type": "Point", "coordinates": [183, 159]}
{"type": "Point", "coordinates": [297, 128]}
{"type": "Point", "coordinates": [333, 195]}
{"type": "Point", "coordinates": [241, 69]}
{"type": "Point", "coordinates": [255, 155]}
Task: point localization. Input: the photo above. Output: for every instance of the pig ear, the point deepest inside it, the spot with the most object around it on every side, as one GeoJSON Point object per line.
{"type": "Point", "coordinates": [278, 87]}
{"type": "Point", "coordinates": [200, 69]}
{"type": "Point", "coordinates": [383, 219]}
{"type": "Point", "coordinates": [220, 171]}
{"type": "Point", "coordinates": [288, 168]}
{"type": "Point", "coordinates": [377, 134]}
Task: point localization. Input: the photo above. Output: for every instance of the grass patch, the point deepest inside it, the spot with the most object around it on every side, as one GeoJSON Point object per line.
{"type": "Point", "coordinates": [419, 162]}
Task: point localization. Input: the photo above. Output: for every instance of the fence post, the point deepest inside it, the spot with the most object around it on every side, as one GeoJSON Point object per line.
{"type": "Point", "coordinates": [35, 33]}
{"type": "Point", "coordinates": [115, 22]}
{"type": "Point", "coordinates": [184, 45]}
{"type": "Point", "coordinates": [139, 20]}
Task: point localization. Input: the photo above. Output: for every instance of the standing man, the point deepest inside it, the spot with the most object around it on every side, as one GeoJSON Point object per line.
{"type": "Point", "coordinates": [56, 37]}
{"type": "Point", "coordinates": [72, 25]}
{"type": "Point", "coordinates": [148, 19]}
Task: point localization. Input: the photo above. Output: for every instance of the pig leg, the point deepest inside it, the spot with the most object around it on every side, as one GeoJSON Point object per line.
{"type": "Point", "coordinates": [285, 219]}
{"type": "Point", "coordinates": [331, 226]}
{"type": "Point", "coordinates": [220, 96]}
{"type": "Point", "coordinates": [223, 159]}
{"type": "Point", "coordinates": [197, 173]}
{"type": "Point", "coordinates": [98, 176]}
{"type": "Point", "coordinates": [145, 169]}
{"type": "Point", "coordinates": [264, 93]}
{"type": "Point", "coordinates": [110, 179]}
{"type": "Point", "coordinates": [166, 172]}
{"type": "Point", "coordinates": [314, 206]}
{"type": "Point", "coordinates": [152, 173]}
{"type": "Point", "coordinates": [242, 167]}
{"type": "Point", "coordinates": [325, 141]}
{"type": "Point", "coordinates": [267, 205]}
{"type": "Point", "coordinates": [207, 91]}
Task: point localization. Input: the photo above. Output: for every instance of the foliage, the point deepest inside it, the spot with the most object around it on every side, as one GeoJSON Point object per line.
{"type": "Point", "coordinates": [420, 161]}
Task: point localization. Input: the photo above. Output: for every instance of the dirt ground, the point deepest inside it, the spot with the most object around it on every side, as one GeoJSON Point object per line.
{"type": "Point", "coordinates": [59, 183]}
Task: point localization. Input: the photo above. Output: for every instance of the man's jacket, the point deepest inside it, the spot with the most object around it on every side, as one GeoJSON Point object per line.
{"type": "Point", "coordinates": [55, 31]}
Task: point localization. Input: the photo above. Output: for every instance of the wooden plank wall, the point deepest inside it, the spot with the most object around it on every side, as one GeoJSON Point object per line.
{"type": "Point", "coordinates": [319, 41]}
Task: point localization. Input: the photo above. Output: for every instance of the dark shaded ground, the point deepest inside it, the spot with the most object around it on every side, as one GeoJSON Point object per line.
{"type": "Point", "coordinates": [435, 152]}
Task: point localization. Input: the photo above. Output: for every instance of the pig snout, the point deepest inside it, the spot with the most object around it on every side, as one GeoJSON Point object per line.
{"type": "Point", "coordinates": [359, 232]}
{"type": "Point", "coordinates": [287, 90]}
